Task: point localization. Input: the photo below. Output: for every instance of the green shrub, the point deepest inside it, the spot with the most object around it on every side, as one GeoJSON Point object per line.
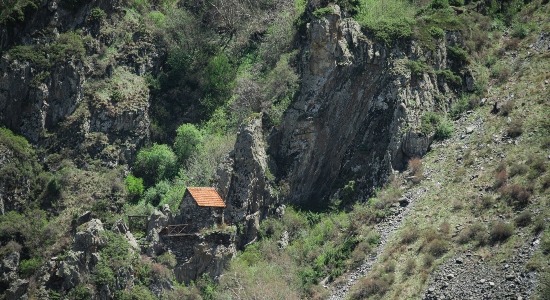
{"type": "Point", "coordinates": [449, 76]}
{"type": "Point", "coordinates": [436, 32]}
{"type": "Point", "coordinates": [475, 232]}
{"type": "Point", "coordinates": [545, 243]}
{"type": "Point", "coordinates": [544, 283]}
{"type": "Point", "coordinates": [520, 30]}
{"type": "Point", "coordinates": [103, 274]}
{"type": "Point", "coordinates": [524, 218]}
{"type": "Point", "coordinates": [168, 259]}
{"type": "Point", "coordinates": [410, 266]}
{"type": "Point", "coordinates": [515, 128]}
{"type": "Point", "coordinates": [138, 292]}
{"type": "Point", "coordinates": [97, 14]}
{"type": "Point", "coordinates": [323, 11]}
{"type": "Point", "coordinates": [518, 169]}
{"type": "Point", "coordinates": [459, 106]}
{"type": "Point", "coordinates": [201, 167]}
{"type": "Point", "coordinates": [418, 67]}
{"type": "Point", "coordinates": [69, 45]}
{"type": "Point", "coordinates": [388, 20]}
{"type": "Point", "coordinates": [116, 250]}
{"type": "Point", "coordinates": [219, 76]}
{"type": "Point", "coordinates": [437, 248]}
{"type": "Point", "coordinates": [157, 17]}
{"type": "Point", "coordinates": [155, 163]}
{"type": "Point", "coordinates": [409, 236]}
{"type": "Point", "coordinates": [368, 287]}
{"type": "Point", "coordinates": [439, 4]}
{"type": "Point", "coordinates": [280, 86]}
{"type": "Point", "coordinates": [135, 188]}
{"type": "Point", "coordinates": [28, 267]}
{"type": "Point", "coordinates": [500, 231]}
{"type": "Point", "coordinates": [187, 141]}
{"type": "Point", "coordinates": [14, 10]}
{"type": "Point", "coordinates": [428, 260]}
{"type": "Point", "coordinates": [207, 287]}
{"type": "Point", "coordinates": [80, 292]}
{"type": "Point", "coordinates": [456, 2]}
{"type": "Point", "coordinates": [457, 53]}
{"type": "Point", "coordinates": [436, 124]}
{"type": "Point", "coordinates": [154, 195]}
{"type": "Point", "coordinates": [516, 195]}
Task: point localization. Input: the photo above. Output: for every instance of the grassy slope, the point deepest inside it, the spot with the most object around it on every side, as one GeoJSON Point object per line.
{"type": "Point", "coordinates": [460, 182]}
{"type": "Point", "coordinates": [461, 173]}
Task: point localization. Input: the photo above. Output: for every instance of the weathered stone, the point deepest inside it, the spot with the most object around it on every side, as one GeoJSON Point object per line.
{"type": "Point", "coordinates": [8, 267]}
{"type": "Point", "coordinates": [357, 121]}
{"type": "Point", "coordinates": [158, 220]}
{"type": "Point", "coordinates": [283, 242]}
{"type": "Point", "coordinates": [17, 290]}
{"type": "Point", "coordinates": [242, 182]}
{"type": "Point", "coordinates": [71, 269]}
{"type": "Point", "coordinates": [120, 227]}
{"type": "Point", "coordinates": [89, 239]}
{"type": "Point", "coordinates": [210, 255]}
{"type": "Point", "coordinates": [85, 217]}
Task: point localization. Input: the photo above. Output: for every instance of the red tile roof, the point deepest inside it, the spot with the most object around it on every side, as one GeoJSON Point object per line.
{"type": "Point", "coordinates": [206, 196]}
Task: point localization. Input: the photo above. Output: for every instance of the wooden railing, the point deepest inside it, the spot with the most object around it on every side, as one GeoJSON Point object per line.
{"type": "Point", "coordinates": [176, 230]}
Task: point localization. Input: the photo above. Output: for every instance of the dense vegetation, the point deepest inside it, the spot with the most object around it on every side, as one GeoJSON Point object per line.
{"type": "Point", "coordinates": [231, 60]}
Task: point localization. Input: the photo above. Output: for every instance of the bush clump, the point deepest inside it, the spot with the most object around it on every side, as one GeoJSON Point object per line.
{"type": "Point", "coordinates": [368, 287]}
{"type": "Point", "coordinates": [323, 11]}
{"type": "Point", "coordinates": [437, 248]}
{"type": "Point", "coordinates": [515, 128]}
{"type": "Point", "coordinates": [388, 20]}
{"type": "Point", "coordinates": [187, 141]}
{"type": "Point", "coordinates": [437, 125]}
{"type": "Point", "coordinates": [516, 195]}
{"type": "Point", "coordinates": [155, 163]}
{"type": "Point", "coordinates": [500, 231]}
{"type": "Point", "coordinates": [27, 267]}
{"type": "Point", "coordinates": [134, 186]}
{"type": "Point", "coordinates": [475, 232]}
{"type": "Point", "coordinates": [524, 218]}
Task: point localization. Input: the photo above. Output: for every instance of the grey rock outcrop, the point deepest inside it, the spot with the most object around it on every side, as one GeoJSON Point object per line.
{"type": "Point", "coordinates": [157, 221]}
{"type": "Point", "coordinates": [17, 290]}
{"type": "Point", "coordinates": [8, 268]}
{"type": "Point", "coordinates": [358, 111]}
{"type": "Point", "coordinates": [54, 106]}
{"type": "Point", "coordinates": [121, 228]}
{"type": "Point", "coordinates": [89, 238]}
{"type": "Point", "coordinates": [79, 262]}
{"type": "Point", "coordinates": [243, 184]}
{"type": "Point", "coordinates": [211, 255]}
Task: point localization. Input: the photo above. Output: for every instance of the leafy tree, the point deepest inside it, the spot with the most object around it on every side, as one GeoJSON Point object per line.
{"type": "Point", "coordinates": [156, 163]}
{"type": "Point", "coordinates": [188, 139]}
{"type": "Point", "coordinates": [134, 185]}
{"type": "Point", "coordinates": [218, 82]}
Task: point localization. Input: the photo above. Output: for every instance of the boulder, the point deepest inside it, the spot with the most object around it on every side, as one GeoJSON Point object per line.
{"type": "Point", "coordinates": [88, 239]}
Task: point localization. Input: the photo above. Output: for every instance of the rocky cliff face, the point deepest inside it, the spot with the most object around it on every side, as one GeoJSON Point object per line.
{"type": "Point", "coordinates": [243, 183]}
{"type": "Point", "coordinates": [358, 112]}
{"type": "Point", "coordinates": [80, 105]}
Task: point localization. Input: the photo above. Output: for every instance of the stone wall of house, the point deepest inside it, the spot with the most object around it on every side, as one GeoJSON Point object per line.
{"type": "Point", "coordinates": [195, 216]}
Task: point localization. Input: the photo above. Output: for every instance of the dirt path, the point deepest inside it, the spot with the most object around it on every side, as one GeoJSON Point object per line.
{"type": "Point", "coordinates": [386, 230]}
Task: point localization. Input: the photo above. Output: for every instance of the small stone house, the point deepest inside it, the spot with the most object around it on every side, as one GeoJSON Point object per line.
{"type": "Point", "coordinates": [202, 207]}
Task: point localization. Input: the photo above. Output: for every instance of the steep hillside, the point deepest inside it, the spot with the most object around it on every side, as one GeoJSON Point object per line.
{"type": "Point", "coordinates": [363, 149]}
